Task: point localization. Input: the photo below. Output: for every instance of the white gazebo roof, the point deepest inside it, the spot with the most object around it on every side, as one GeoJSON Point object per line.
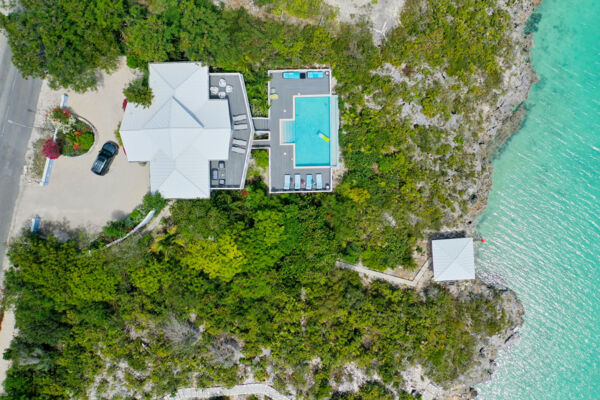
{"type": "Point", "coordinates": [453, 259]}
{"type": "Point", "coordinates": [180, 132]}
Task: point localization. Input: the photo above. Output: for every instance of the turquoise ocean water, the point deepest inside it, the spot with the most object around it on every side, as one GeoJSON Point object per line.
{"type": "Point", "coordinates": [542, 223]}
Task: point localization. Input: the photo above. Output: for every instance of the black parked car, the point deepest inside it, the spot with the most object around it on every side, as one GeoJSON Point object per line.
{"type": "Point", "coordinates": [107, 154]}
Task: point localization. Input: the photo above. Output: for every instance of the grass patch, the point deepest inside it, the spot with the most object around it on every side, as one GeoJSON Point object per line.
{"type": "Point", "coordinates": [38, 160]}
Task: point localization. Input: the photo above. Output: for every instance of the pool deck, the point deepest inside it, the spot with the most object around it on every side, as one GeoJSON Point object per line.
{"type": "Point", "coordinates": [236, 167]}
{"type": "Point", "coordinates": [281, 156]}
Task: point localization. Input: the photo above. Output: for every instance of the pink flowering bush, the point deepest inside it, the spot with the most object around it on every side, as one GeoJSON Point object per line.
{"type": "Point", "coordinates": [51, 149]}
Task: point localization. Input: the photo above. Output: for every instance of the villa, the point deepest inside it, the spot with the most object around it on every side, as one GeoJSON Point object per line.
{"type": "Point", "coordinates": [198, 133]}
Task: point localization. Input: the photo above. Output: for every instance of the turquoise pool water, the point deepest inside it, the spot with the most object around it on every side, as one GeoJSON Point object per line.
{"type": "Point", "coordinates": [542, 223]}
{"type": "Point", "coordinates": [312, 115]}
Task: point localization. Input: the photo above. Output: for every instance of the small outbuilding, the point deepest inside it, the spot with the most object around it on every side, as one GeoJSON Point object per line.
{"type": "Point", "coordinates": [453, 259]}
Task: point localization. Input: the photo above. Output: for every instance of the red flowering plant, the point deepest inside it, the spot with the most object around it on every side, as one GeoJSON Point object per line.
{"type": "Point", "coordinates": [75, 136]}
{"type": "Point", "coordinates": [51, 149]}
{"type": "Point", "coordinates": [59, 116]}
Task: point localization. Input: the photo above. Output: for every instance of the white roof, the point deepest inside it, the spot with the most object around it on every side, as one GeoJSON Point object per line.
{"type": "Point", "coordinates": [180, 132]}
{"type": "Point", "coordinates": [453, 259]}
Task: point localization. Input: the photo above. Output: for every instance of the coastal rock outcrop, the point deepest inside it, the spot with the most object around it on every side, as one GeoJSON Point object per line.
{"type": "Point", "coordinates": [487, 348]}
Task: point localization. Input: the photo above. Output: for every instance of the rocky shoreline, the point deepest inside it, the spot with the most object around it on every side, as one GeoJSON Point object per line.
{"type": "Point", "coordinates": [488, 348]}
{"type": "Point", "coordinates": [504, 118]}
{"type": "Point", "coordinates": [501, 120]}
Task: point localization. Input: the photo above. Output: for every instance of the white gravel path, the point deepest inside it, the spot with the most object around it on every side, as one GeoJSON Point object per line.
{"type": "Point", "coordinates": [260, 389]}
{"type": "Point", "coordinates": [372, 274]}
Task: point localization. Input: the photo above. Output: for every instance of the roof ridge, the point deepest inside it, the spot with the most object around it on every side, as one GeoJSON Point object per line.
{"type": "Point", "coordinates": [156, 70]}
{"type": "Point", "coordinates": [188, 179]}
{"type": "Point", "coordinates": [158, 110]}
{"type": "Point", "coordinates": [187, 110]}
{"type": "Point", "coordinates": [467, 243]}
{"type": "Point", "coordinates": [453, 263]}
{"type": "Point", "coordinates": [160, 153]}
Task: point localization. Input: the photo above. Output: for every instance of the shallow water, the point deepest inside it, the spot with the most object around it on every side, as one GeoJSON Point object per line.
{"type": "Point", "coordinates": [542, 223]}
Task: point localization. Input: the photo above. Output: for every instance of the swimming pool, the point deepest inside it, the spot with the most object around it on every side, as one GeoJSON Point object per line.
{"type": "Point", "coordinates": [311, 131]}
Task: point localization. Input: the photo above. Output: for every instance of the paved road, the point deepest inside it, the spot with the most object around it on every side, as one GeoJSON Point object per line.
{"type": "Point", "coordinates": [18, 101]}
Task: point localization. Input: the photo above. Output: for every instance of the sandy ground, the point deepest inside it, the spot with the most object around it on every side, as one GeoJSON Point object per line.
{"type": "Point", "coordinates": [383, 14]}
{"type": "Point", "coordinates": [7, 333]}
{"type": "Point", "coordinates": [75, 195]}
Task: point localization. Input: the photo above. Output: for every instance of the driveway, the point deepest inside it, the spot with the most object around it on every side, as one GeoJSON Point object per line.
{"type": "Point", "coordinates": [74, 194]}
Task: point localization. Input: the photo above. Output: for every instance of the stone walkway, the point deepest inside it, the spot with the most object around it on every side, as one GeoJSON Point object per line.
{"type": "Point", "coordinates": [387, 277]}
{"type": "Point", "coordinates": [260, 389]}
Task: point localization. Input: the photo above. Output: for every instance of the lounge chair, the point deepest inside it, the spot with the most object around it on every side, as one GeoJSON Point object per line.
{"type": "Point", "coordinates": [238, 150]}
{"type": "Point", "coordinates": [297, 181]}
{"type": "Point", "coordinates": [239, 117]}
{"type": "Point", "coordinates": [309, 182]}
{"type": "Point", "coordinates": [286, 182]}
{"type": "Point", "coordinates": [240, 142]}
{"type": "Point", "coordinates": [319, 181]}
{"type": "Point", "coordinates": [291, 75]}
{"type": "Point", "coordinates": [240, 127]}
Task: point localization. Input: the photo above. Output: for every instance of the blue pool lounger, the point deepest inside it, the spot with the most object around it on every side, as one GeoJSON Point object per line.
{"type": "Point", "coordinates": [309, 182]}
{"type": "Point", "coordinates": [315, 74]}
{"type": "Point", "coordinates": [291, 75]}
{"type": "Point", "coordinates": [297, 181]}
{"type": "Point", "coordinates": [319, 181]}
{"type": "Point", "coordinates": [286, 182]}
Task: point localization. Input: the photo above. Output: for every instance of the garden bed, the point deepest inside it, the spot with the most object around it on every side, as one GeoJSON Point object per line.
{"type": "Point", "coordinates": [117, 229]}
{"type": "Point", "coordinates": [75, 136]}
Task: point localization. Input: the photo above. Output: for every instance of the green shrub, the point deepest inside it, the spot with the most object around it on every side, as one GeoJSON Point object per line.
{"type": "Point", "coordinates": [138, 92]}
{"type": "Point", "coordinates": [153, 201]}
{"type": "Point", "coordinates": [118, 135]}
{"type": "Point", "coordinates": [115, 229]}
{"type": "Point", "coordinates": [261, 157]}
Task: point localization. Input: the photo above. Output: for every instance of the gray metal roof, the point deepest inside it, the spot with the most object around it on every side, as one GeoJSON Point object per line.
{"type": "Point", "coordinates": [453, 259]}
{"type": "Point", "coordinates": [180, 132]}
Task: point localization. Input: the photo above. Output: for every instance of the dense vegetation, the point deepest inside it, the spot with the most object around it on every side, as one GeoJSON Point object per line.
{"type": "Point", "coordinates": [246, 283]}
{"type": "Point", "coordinates": [182, 308]}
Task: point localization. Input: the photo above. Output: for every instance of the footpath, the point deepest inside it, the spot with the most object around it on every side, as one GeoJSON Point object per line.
{"type": "Point", "coordinates": [416, 282]}
{"type": "Point", "coordinates": [259, 389]}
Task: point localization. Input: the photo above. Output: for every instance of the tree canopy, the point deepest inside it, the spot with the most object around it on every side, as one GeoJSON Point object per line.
{"type": "Point", "coordinates": [66, 41]}
{"type": "Point", "coordinates": [178, 304]}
